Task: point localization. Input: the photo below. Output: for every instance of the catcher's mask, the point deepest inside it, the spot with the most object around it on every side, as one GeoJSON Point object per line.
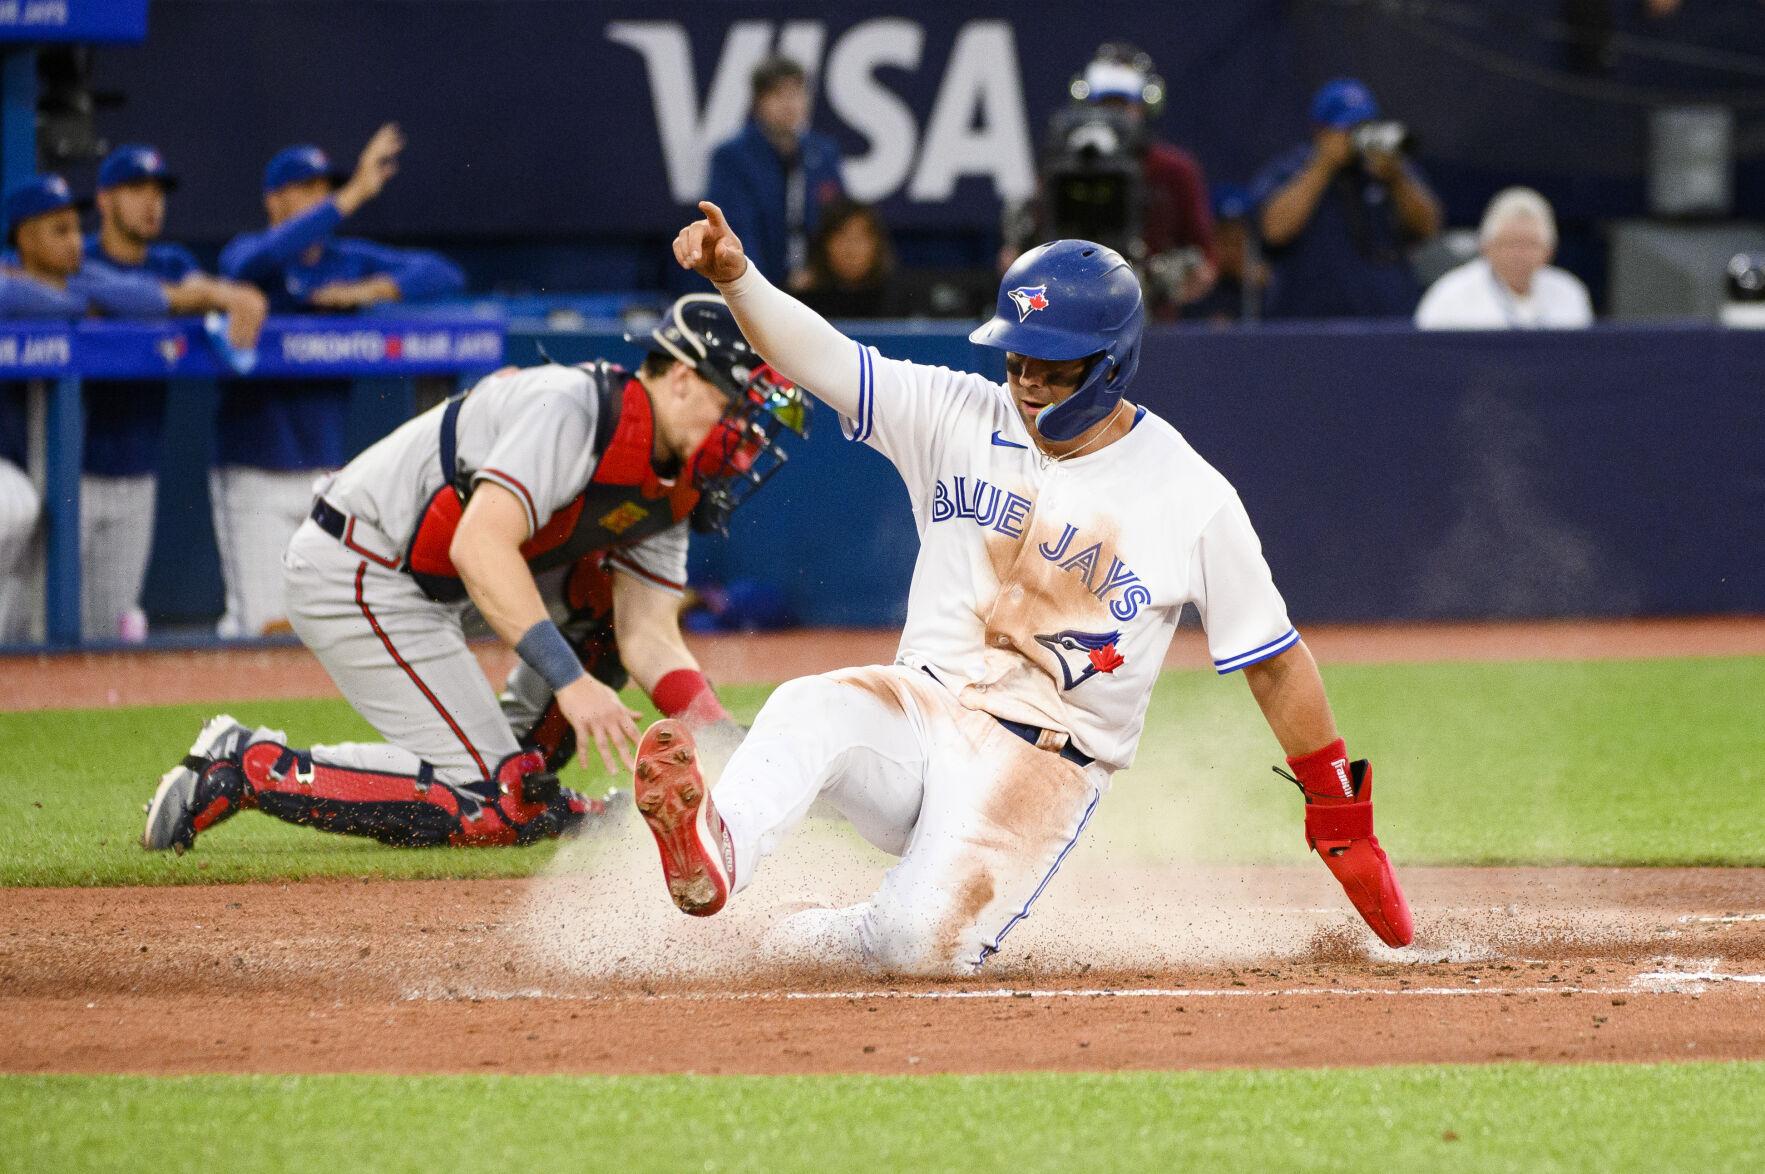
{"type": "Point", "coordinates": [744, 450]}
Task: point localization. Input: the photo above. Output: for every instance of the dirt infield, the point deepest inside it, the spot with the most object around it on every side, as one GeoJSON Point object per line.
{"type": "Point", "coordinates": [1530, 964]}
{"type": "Point", "coordinates": [414, 977]}
{"type": "Point", "coordinates": [96, 679]}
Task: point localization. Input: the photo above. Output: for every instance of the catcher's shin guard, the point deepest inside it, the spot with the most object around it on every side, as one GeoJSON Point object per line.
{"type": "Point", "coordinates": [521, 804]}
{"type": "Point", "coordinates": [1339, 827]}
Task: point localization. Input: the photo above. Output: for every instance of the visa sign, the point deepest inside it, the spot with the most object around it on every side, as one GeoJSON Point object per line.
{"type": "Point", "coordinates": [976, 127]}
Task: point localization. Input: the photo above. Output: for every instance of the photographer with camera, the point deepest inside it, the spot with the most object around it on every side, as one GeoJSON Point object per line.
{"type": "Point", "coordinates": [1106, 177]}
{"type": "Point", "coordinates": [1338, 214]}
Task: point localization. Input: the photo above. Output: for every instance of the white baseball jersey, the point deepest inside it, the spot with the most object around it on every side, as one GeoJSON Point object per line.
{"type": "Point", "coordinates": [1045, 591]}
{"type": "Point", "coordinates": [531, 431]}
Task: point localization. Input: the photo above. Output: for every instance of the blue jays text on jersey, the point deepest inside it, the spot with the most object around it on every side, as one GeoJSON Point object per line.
{"type": "Point", "coordinates": [1004, 512]}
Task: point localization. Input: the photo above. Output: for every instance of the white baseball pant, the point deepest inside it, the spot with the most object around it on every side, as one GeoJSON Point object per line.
{"type": "Point", "coordinates": [19, 508]}
{"type": "Point", "coordinates": [980, 818]}
{"type": "Point", "coordinates": [256, 512]}
{"type": "Point", "coordinates": [116, 538]}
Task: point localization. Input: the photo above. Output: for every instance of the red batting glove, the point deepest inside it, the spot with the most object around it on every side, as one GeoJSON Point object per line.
{"type": "Point", "coordinates": [1339, 827]}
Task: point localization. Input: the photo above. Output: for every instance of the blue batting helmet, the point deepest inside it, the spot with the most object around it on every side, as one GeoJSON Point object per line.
{"type": "Point", "coordinates": [1072, 300]}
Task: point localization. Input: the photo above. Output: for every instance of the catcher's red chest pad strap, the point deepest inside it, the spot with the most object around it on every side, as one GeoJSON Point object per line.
{"type": "Point", "coordinates": [623, 503]}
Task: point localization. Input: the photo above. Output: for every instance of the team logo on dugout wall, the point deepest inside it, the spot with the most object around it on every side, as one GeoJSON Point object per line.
{"type": "Point", "coordinates": [1029, 299]}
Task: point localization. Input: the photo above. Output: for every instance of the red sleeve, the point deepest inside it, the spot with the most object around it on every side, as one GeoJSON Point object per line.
{"type": "Point", "coordinates": [1177, 172]}
{"type": "Point", "coordinates": [1197, 215]}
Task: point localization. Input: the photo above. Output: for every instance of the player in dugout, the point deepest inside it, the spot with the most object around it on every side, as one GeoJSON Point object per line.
{"type": "Point", "coordinates": [124, 418]}
{"type": "Point", "coordinates": [53, 273]}
{"type": "Point", "coordinates": [275, 435]}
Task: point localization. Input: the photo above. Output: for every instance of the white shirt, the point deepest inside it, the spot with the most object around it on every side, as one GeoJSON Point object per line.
{"type": "Point", "coordinates": [1045, 591]}
{"type": "Point", "coordinates": [1472, 297]}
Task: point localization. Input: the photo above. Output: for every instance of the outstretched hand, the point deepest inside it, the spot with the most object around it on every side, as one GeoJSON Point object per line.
{"type": "Point", "coordinates": [709, 247]}
{"type": "Point", "coordinates": [378, 163]}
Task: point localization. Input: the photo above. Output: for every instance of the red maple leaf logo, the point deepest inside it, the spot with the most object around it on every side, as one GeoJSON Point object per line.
{"type": "Point", "coordinates": [1106, 659]}
{"type": "Point", "coordinates": [1038, 302]}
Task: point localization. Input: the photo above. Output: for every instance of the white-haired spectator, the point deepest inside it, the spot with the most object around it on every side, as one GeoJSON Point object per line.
{"type": "Point", "coordinates": [1513, 285]}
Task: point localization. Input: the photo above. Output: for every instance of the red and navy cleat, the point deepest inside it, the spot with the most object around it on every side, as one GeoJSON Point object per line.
{"type": "Point", "coordinates": [697, 857]}
{"type": "Point", "coordinates": [203, 789]}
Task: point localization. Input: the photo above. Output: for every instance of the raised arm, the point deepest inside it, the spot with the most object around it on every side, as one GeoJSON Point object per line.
{"type": "Point", "coordinates": [259, 256]}
{"type": "Point", "coordinates": [802, 345]}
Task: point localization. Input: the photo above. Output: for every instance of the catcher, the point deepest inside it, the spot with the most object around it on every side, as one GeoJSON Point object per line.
{"type": "Point", "coordinates": [578, 481]}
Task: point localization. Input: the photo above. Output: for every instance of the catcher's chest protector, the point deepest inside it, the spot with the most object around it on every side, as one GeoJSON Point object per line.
{"type": "Point", "coordinates": [623, 503]}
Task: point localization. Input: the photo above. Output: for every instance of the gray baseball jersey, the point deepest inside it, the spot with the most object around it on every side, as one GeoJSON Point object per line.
{"type": "Point", "coordinates": [530, 431]}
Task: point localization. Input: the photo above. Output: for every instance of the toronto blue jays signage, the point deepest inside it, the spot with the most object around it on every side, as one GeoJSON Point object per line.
{"type": "Point", "coordinates": [73, 20]}
{"type": "Point", "coordinates": [289, 346]}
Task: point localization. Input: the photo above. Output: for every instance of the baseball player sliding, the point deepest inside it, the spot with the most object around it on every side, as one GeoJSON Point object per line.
{"type": "Point", "coordinates": [1062, 529]}
{"type": "Point", "coordinates": [582, 481]}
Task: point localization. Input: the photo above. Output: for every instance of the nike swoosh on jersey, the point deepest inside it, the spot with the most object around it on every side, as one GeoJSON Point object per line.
{"type": "Point", "coordinates": [1003, 443]}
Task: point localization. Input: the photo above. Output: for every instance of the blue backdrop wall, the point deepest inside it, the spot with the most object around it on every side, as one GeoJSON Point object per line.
{"type": "Point", "coordinates": [590, 120]}
{"type": "Point", "coordinates": [1391, 474]}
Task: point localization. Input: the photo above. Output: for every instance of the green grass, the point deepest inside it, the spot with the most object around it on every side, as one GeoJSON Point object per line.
{"type": "Point", "coordinates": [1650, 762]}
{"type": "Point", "coordinates": [1693, 1117]}
{"type": "Point", "coordinates": [1615, 762]}
{"type": "Point", "coordinates": [73, 783]}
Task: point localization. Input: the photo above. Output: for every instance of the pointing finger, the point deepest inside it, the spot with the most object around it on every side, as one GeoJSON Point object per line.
{"type": "Point", "coordinates": [714, 214]}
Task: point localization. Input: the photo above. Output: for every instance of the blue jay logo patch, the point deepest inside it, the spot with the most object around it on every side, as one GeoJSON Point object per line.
{"type": "Point", "coordinates": [1082, 655]}
{"type": "Point", "coordinates": [1029, 299]}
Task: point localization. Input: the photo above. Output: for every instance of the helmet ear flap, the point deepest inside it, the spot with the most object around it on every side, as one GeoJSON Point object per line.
{"type": "Point", "coordinates": [1125, 365]}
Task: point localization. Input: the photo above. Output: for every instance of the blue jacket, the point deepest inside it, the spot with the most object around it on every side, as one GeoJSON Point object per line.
{"type": "Point", "coordinates": [748, 182]}
{"type": "Point", "coordinates": [1350, 260]}
{"type": "Point", "coordinates": [274, 260]}
{"type": "Point", "coordinates": [298, 424]}
{"type": "Point", "coordinates": [95, 289]}
{"type": "Point", "coordinates": [124, 418]}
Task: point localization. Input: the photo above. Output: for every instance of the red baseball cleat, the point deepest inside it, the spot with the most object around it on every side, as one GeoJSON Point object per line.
{"type": "Point", "coordinates": [697, 857]}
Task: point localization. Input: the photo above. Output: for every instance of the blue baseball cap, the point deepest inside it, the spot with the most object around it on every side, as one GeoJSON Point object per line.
{"type": "Point", "coordinates": [297, 165]}
{"type": "Point", "coordinates": [36, 197]}
{"type": "Point", "coordinates": [1343, 103]}
{"type": "Point", "coordinates": [132, 164]}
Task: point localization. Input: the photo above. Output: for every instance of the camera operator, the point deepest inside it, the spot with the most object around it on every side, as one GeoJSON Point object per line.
{"type": "Point", "coordinates": [1106, 177]}
{"type": "Point", "coordinates": [1338, 214]}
